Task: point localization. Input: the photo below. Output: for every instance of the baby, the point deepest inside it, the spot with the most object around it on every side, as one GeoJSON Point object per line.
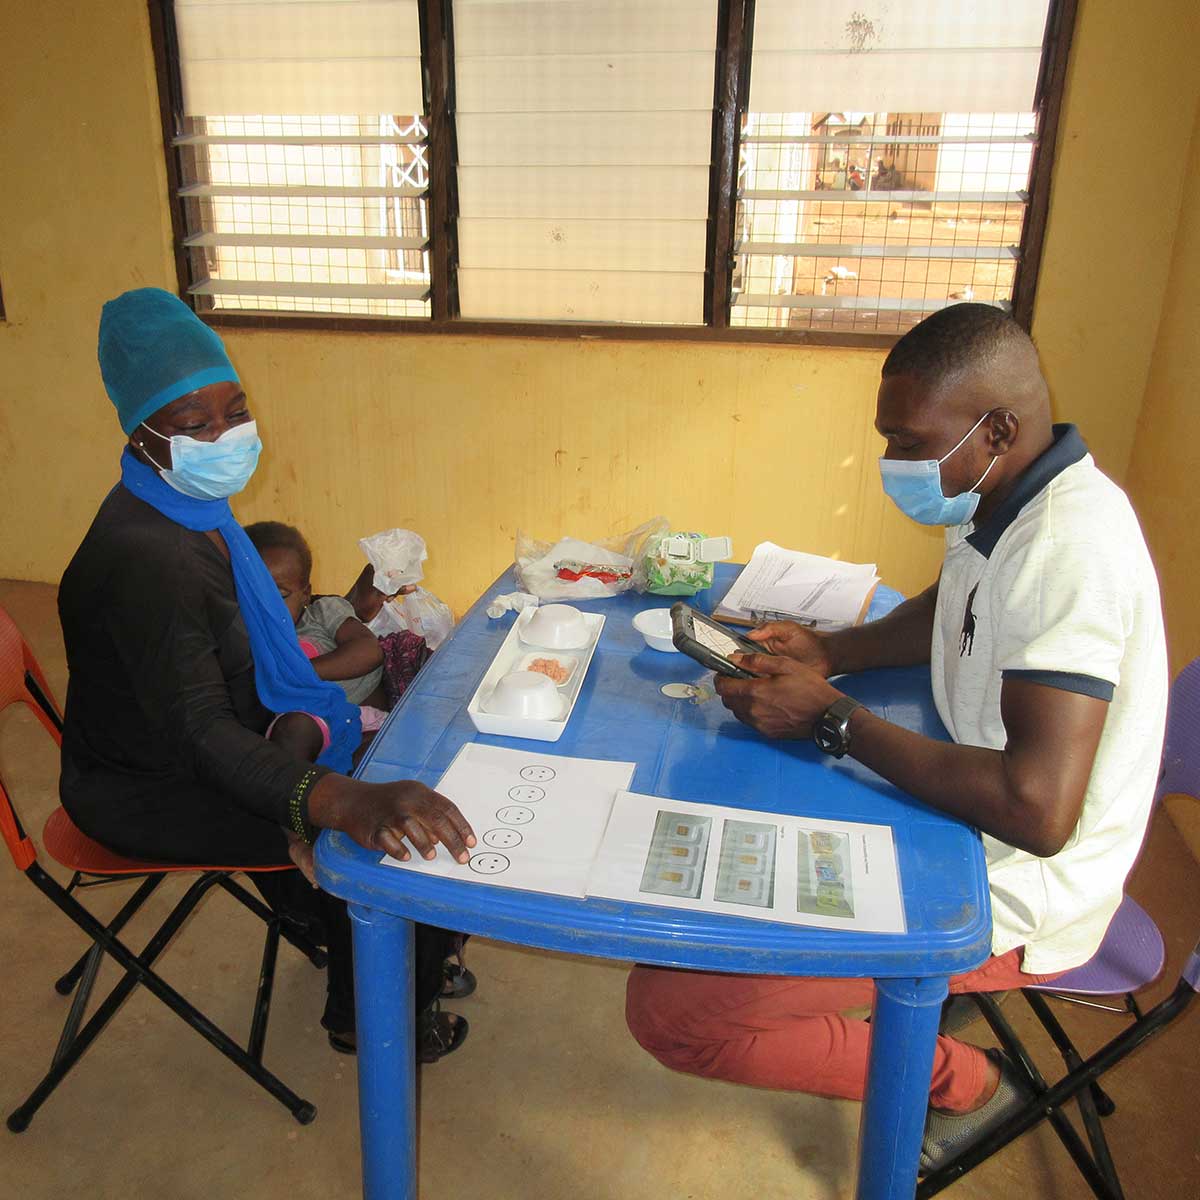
{"type": "Point", "coordinates": [343, 650]}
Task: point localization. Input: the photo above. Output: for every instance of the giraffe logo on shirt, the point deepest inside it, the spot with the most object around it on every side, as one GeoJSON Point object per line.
{"type": "Point", "coordinates": [967, 639]}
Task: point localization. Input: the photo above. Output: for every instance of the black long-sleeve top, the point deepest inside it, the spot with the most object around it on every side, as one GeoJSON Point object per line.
{"type": "Point", "coordinates": [161, 690]}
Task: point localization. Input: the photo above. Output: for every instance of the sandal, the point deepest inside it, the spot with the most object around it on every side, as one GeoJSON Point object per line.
{"type": "Point", "coordinates": [457, 981]}
{"type": "Point", "coordinates": [344, 1041]}
{"type": "Point", "coordinates": [438, 1034]}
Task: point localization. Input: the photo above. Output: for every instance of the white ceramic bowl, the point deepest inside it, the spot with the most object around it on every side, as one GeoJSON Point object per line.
{"type": "Point", "coordinates": [526, 694]}
{"type": "Point", "coordinates": [557, 627]}
{"type": "Point", "coordinates": [654, 624]}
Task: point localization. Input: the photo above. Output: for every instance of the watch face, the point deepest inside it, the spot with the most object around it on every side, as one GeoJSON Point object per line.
{"type": "Point", "coordinates": [827, 737]}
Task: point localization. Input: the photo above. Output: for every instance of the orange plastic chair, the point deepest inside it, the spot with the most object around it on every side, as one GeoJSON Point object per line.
{"type": "Point", "coordinates": [22, 682]}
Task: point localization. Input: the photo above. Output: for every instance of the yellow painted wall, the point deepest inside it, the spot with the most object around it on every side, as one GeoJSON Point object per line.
{"type": "Point", "coordinates": [468, 439]}
{"type": "Point", "coordinates": [1132, 94]}
{"type": "Point", "coordinates": [1164, 475]}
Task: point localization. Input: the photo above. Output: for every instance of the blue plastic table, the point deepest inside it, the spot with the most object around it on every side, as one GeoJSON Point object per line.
{"type": "Point", "coordinates": [683, 751]}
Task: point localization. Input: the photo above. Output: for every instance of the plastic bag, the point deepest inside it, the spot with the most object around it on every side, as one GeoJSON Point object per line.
{"type": "Point", "coordinates": [570, 569]}
{"type": "Point", "coordinates": [396, 555]}
{"type": "Point", "coordinates": [419, 612]}
{"type": "Point", "coordinates": [510, 602]}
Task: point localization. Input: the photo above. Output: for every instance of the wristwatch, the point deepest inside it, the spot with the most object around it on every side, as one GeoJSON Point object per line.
{"type": "Point", "coordinates": [831, 730]}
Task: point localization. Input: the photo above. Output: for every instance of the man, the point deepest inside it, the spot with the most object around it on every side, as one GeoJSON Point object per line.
{"type": "Point", "coordinates": [1045, 642]}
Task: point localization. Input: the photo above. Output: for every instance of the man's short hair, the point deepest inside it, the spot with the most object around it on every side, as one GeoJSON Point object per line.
{"type": "Point", "coordinates": [955, 339]}
{"type": "Point", "coordinates": [275, 535]}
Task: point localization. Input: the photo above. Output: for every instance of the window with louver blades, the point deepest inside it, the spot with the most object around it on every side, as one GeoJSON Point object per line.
{"type": "Point", "coordinates": [303, 163]}
{"type": "Point", "coordinates": [885, 162]}
{"type": "Point", "coordinates": [698, 169]}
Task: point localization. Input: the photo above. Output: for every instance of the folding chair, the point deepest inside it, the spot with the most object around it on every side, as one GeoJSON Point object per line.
{"type": "Point", "coordinates": [1130, 958]}
{"type": "Point", "coordinates": [22, 681]}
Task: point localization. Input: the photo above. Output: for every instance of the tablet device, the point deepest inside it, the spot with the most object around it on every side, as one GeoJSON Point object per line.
{"type": "Point", "coordinates": [709, 642]}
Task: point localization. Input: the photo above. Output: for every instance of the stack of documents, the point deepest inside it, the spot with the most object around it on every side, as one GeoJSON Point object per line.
{"type": "Point", "coordinates": [778, 584]}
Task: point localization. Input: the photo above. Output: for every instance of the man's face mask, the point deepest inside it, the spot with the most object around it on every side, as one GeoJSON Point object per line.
{"type": "Point", "coordinates": [211, 470]}
{"type": "Point", "coordinates": [916, 487]}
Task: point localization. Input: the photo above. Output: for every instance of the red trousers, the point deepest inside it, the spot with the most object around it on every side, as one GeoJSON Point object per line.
{"type": "Point", "coordinates": [779, 1032]}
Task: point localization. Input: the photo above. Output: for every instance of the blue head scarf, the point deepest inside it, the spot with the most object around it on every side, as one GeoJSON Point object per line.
{"type": "Point", "coordinates": [154, 349]}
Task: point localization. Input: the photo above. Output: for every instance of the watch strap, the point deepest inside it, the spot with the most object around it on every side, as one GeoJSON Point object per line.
{"type": "Point", "coordinates": [841, 708]}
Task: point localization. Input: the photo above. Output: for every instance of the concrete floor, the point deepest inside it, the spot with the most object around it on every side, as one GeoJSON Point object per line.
{"type": "Point", "coordinates": [549, 1099]}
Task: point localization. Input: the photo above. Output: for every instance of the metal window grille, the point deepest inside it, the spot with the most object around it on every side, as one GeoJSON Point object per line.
{"type": "Point", "coordinates": [317, 211]}
{"type": "Point", "coordinates": [307, 214]}
{"type": "Point", "coordinates": [616, 163]}
{"type": "Point", "coordinates": [867, 221]}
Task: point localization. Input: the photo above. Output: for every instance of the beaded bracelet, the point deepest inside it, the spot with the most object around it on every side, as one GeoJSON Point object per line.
{"type": "Point", "coordinates": [300, 826]}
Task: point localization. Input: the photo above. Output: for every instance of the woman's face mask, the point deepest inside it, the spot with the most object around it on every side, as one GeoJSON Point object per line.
{"type": "Point", "coordinates": [211, 470]}
{"type": "Point", "coordinates": [916, 487]}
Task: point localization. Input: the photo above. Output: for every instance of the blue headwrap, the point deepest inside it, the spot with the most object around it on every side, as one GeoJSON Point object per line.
{"type": "Point", "coordinates": [154, 349]}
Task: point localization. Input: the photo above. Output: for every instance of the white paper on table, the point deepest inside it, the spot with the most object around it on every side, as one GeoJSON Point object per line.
{"type": "Point", "coordinates": [790, 583]}
{"type": "Point", "coordinates": [799, 870]}
{"type": "Point", "coordinates": [825, 590]}
{"type": "Point", "coordinates": [538, 818]}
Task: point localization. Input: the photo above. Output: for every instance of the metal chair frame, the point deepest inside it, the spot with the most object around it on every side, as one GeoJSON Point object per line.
{"type": "Point", "coordinates": [1080, 1083]}
{"type": "Point", "coordinates": [76, 1036]}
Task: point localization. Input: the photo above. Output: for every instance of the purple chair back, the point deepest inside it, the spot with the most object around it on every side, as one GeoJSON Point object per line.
{"type": "Point", "coordinates": [1181, 746]}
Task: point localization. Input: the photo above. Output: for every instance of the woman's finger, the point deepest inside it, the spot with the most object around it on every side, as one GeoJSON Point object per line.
{"type": "Point", "coordinates": [302, 855]}
{"type": "Point", "coordinates": [389, 840]}
{"type": "Point", "coordinates": [419, 834]}
{"type": "Point", "coordinates": [460, 823]}
{"type": "Point", "coordinates": [450, 835]}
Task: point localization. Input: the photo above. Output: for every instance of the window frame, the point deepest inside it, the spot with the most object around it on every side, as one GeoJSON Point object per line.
{"type": "Point", "coordinates": [735, 26]}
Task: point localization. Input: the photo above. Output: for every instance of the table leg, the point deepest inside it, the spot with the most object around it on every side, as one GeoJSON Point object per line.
{"type": "Point", "coordinates": [904, 1024]}
{"type": "Point", "coordinates": [383, 1004]}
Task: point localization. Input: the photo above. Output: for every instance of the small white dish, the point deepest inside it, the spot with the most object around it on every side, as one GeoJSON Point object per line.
{"type": "Point", "coordinates": [555, 626]}
{"type": "Point", "coordinates": [565, 662]}
{"type": "Point", "coordinates": [654, 624]}
{"type": "Point", "coordinates": [527, 694]}
{"type": "Point", "coordinates": [512, 656]}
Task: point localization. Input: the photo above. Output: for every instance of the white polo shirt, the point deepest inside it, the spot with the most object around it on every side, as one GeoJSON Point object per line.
{"type": "Point", "coordinates": [1058, 588]}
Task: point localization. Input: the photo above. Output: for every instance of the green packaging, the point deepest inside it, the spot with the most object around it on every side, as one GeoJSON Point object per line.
{"type": "Point", "coordinates": [681, 564]}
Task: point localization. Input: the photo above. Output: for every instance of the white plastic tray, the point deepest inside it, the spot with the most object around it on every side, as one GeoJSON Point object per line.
{"type": "Point", "coordinates": [512, 653]}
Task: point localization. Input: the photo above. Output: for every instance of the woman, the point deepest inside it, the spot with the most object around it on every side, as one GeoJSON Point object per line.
{"type": "Point", "coordinates": [196, 730]}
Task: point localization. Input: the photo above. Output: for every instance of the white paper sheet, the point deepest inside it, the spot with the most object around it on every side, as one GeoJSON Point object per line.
{"type": "Point", "coordinates": [802, 871]}
{"type": "Point", "coordinates": [825, 592]}
{"type": "Point", "coordinates": [538, 818]}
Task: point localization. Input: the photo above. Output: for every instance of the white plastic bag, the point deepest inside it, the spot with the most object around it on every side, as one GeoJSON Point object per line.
{"type": "Point", "coordinates": [420, 612]}
{"type": "Point", "coordinates": [570, 569]}
{"type": "Point", "coordinates": [396, 555]}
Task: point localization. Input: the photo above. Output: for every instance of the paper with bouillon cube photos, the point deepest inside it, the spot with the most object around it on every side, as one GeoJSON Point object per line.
{"type": "Point", "coordinates": [803, 871]}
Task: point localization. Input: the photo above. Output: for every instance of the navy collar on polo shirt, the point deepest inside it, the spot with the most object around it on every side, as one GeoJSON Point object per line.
{"type": "Point", "coordinates": [1067, 449]}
